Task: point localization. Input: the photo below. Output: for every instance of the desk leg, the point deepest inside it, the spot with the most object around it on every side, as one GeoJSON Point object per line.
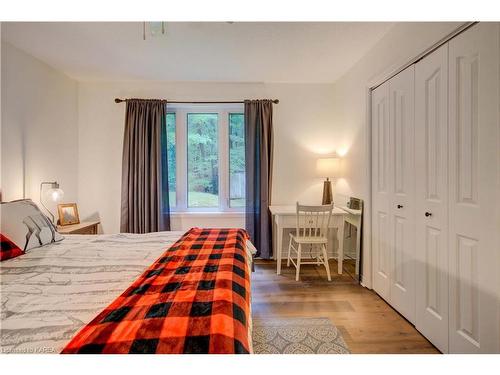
{"type": "Point", "coordinates": [274, 236]}
{"type": "Point", "coordinates": [358, 245]}
{"type": "Point", "coordinates": [340, 252]}
{"type": "Point", "coordinates": [279, 246]}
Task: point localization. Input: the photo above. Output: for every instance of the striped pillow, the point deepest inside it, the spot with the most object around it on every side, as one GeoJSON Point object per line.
{"type": "Point", "coordinates": [25, 225]}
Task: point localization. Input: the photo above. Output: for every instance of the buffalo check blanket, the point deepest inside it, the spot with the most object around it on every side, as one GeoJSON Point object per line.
{"type": "Point", "coordinates": [194, 299]}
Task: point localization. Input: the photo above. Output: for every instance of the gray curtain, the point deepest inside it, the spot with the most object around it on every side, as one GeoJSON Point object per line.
{"type": "Point", "coordinates": [259, 163]}
{"type": "Point", "coordinates": [144, 204]}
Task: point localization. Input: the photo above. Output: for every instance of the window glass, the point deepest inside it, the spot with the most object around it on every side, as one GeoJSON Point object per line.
{"type": "Point", "coordinates": [171, 159]}
{"type": "Point", "coordinates": [236, 160]}
{"type": "Point", "coordinates": [203, 160]}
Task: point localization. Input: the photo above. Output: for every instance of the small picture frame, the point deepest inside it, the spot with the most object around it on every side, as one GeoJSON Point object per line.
{"type": "Point", "coordinates": [68, 214]}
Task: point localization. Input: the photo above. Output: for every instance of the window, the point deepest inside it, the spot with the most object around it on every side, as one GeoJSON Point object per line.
{"type": "Point", "coordinates": [206, 157]}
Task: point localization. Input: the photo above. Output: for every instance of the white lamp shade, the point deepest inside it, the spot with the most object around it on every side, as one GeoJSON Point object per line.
{"type": "Point", "coordinates": [328, 167]}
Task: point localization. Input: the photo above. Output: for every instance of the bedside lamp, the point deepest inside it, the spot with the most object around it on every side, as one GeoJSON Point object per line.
{"type": "Point", "coordinates": [327, 167]}
{"type": "Point", "coordinates": [55, 194]}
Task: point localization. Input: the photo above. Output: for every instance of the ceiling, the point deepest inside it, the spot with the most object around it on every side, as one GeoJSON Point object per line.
{"type": "Point", "coordinates": [199, 51]}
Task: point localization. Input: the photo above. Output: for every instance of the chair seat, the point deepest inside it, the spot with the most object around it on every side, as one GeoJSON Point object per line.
{"type": "Point", "coordinates": [309, 240]}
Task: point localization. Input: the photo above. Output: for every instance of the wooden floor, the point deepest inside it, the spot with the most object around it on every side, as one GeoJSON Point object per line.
{"type": "Point", "coordinates": [368, 324]}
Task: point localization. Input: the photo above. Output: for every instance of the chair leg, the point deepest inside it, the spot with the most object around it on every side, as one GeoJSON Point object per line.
{"type": "Point", "coordinates": [299, 255]}
{"type": "Point", "coordinates": [289, 249]}
{"type": "Point", "coordinates": [325, 260]}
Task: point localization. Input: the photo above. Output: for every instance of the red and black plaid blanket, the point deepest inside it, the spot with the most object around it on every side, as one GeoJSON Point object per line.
{"type": "Point", "coordinates": [194, 299]}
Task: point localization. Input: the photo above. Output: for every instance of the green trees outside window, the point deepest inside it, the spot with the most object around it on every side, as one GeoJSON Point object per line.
{"type": "Point", "coordinates": [203, 160]}
{"type": "Point", "coordinates": [236, 160]}
{"type": "Point", "coordinates": [171, 158]}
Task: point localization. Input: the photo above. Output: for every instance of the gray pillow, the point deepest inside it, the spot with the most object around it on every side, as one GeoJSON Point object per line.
{"type": "Point", "coordinates": [25, 225]}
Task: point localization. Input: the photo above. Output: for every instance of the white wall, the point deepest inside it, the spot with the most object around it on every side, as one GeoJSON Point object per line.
{"type": "Point", "coordinates": [303, 130]}
{"type": "Point", "coordinates": [39, 139]}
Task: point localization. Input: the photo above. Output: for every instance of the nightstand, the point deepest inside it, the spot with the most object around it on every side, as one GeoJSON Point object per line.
{"type": "Point", "coordinates": [86, 227]}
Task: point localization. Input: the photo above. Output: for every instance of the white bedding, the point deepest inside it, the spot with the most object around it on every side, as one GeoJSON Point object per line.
{"type": "Point", "coordinates": [51, 292]}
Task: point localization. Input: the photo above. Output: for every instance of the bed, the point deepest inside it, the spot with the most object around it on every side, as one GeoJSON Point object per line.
{"type": "Point", "coordinates": [50, 293]}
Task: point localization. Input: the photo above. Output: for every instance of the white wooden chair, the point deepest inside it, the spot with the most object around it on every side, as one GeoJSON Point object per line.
{"type": "Point", "coordinates": [312, 229]}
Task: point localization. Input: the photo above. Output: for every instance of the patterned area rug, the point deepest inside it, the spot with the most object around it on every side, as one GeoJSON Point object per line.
{"type": "Point", "coordinates": [297, 336]}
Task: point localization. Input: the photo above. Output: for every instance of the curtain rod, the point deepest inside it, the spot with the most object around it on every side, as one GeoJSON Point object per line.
{"type": "Point", "coordinates": [275, 101]}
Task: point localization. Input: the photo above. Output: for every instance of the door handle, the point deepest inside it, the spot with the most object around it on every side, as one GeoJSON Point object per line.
{"type": "Point", "coordinates": [400, 206]}
{"type": "Point", "coordinates": [427, 214]}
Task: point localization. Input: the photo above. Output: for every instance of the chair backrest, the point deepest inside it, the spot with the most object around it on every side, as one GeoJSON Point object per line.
{"type": "Point", "coordinates": [313, 221]}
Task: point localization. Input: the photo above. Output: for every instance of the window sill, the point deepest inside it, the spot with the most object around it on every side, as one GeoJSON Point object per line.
{"type": "Point", "coordinates": [215, 214]}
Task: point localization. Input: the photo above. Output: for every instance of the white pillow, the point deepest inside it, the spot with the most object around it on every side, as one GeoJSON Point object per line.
{"type": "Point", "coordinates": [24, 224]}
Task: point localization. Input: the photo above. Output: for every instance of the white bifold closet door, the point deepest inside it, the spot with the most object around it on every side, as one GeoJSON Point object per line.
{"type": "Point", "coordinates": [381, 229]}
{"type": "Point", "coordinates": [431, 188]}
{"type": "Point", "coordinates": [473, 180]}
{"type": "Point", "coordinates": [402, 192]}
{"type": "Point", "coordinates": [393, 189]}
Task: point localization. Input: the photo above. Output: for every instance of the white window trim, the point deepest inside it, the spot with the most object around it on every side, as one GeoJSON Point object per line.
{"type": "Point", "coordinates": [181, 112]}
{"type": "Point", "coordinates": [208, 214]}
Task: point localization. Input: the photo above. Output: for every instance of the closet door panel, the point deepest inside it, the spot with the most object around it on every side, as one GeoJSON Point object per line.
{"type": "Point", "coordinates": [402, 190]}
{"type": "Point", "coordinates": [473, 174]}
{"type": "Point", "coordinates": [431, 196]}
{"type": "Point", "coordinates": [381, 182]}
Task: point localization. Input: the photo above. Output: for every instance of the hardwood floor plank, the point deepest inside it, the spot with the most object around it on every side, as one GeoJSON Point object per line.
{"type": "Point", "coordinates": [367, 322]}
